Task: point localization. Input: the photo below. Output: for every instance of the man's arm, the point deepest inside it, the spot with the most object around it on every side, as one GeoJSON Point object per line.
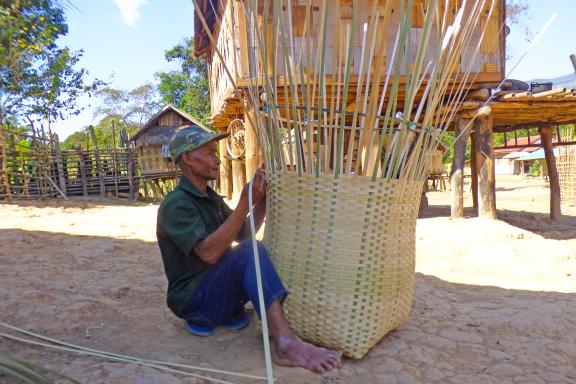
{"type": "Point", "coordinates": [212, 248]}
{"type": "Point", "coordinates": [259, 214]}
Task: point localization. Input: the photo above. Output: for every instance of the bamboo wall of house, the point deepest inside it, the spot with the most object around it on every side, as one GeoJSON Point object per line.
{"type": "Point", "coordinates": [151, 143]}
{"type": "Point", "coordinates": [566, 164]}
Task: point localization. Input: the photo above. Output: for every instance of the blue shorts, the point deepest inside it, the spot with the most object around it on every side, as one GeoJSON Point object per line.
{"type": "Point", "coordinates": [230, 284]}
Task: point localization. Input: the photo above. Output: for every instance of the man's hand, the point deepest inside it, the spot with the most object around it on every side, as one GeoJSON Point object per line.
{"type": "Point", "coordinates": [258, 189]}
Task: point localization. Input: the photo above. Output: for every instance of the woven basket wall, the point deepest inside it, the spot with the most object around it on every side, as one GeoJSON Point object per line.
{"type": "Point", "coordinates": [345, 248]}
{"type": "Point", "coordinates": [566, 165]}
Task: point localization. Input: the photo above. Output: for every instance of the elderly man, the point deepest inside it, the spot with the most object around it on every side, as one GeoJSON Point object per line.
{"type": "Point", "coordinates": [209, 281]}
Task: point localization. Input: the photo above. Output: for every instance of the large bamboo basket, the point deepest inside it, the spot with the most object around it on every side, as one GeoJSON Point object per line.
{"type": "Point", "coordinates": [345, 248]}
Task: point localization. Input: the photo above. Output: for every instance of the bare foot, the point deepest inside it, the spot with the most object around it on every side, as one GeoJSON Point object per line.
{"type": "Point", "coordinates": [293, 352]}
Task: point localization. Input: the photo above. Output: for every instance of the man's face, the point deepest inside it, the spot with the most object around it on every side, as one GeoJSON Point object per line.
{"type": "Point", "coordinates": [203, 161]}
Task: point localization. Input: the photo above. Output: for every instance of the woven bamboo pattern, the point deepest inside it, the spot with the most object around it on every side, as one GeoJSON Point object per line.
{"type": "Point", "coordinates": [350, 271]}
{"type": "Point", "coordinates": [566, 164]}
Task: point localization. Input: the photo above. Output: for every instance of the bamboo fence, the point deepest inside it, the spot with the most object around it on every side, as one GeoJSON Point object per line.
{"type": "Point", "coordinates": [33, 167]}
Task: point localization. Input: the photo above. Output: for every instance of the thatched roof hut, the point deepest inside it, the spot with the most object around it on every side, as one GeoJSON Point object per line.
{"type": "Point", "coordinates": [152, 139]}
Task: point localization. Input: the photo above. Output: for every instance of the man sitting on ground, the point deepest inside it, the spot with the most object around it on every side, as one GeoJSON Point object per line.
{"type": "Point", "coordinates": [209, 281]}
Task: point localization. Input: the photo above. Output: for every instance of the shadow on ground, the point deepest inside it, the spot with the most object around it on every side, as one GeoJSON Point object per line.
{"type": "Point", "coordinates": [109, 294]}
{"type": "Point", "coordinates": [78, 202]}
{"type": "Point", "coordinates": [540, 223]}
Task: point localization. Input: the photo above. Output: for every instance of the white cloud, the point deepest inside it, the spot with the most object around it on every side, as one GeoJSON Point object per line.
{"type": "Point", "coordinates": [129, 9]}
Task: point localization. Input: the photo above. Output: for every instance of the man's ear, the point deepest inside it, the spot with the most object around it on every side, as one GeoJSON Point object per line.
{"type": "Point", "coordinates": [183, 159]}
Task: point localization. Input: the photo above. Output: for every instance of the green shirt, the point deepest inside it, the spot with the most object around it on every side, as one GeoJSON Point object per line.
{"type": "Point", "coordinates": [185, 217]}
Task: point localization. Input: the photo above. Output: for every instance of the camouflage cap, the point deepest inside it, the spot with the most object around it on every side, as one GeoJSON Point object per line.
{"type": "Point", "coordinates": [189, 138]}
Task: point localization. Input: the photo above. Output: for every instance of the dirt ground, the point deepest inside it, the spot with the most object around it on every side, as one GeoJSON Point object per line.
{"type": "Point", "coordinates": [495, 301]}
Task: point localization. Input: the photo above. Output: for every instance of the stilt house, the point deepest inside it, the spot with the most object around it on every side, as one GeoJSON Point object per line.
{"type": "Point", "coordinates": [152, 140]}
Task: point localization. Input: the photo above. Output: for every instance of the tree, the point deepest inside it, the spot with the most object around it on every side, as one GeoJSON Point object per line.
{"type": "Point", "coordinates": [186, 88]}
{"type": "Point", "coordinates": [130, 107]}
{"type": "Point", "coordinates": [37, 78]}
{"type": "Point", "coordinates": [516, 14]}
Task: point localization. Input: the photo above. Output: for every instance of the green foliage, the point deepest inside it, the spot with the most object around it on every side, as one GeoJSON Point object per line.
{"type": "Point", "coordinates": [37, 78]}
{"type": "Point", "coordinates": [516, 14]}
{"type": "Point", "coordinates": [535, 168]}
{"type": "Point", "coordinates": [103, 132]}
{"type": "Point", "coordinates": [130, 107]}
{"type": "Point", "coordinates": [188, 87]}
{"type": "Point", "coordinates": [127, 110]}
{"type": "Point", "coordinates": [448, 139]}
{"type": "Point", "coordinates": [77, 139]}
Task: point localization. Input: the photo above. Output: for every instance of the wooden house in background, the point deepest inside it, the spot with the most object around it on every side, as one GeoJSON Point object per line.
{"type": "Point", "coordinates": [227, 21]}
{"type": "Point", "coordinates": [152, 139]}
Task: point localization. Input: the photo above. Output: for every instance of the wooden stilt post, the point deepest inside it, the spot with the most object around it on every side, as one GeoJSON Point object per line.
{"type": "Point", "coordinates": [225, 171]}
{"type": "Point", "coordinates": [253, 153]}
{"type": "Point", "coordinates": [473, 171]}
{"type": "Point", "coordinates": [98, 162]}
{"type": "Point", "coordinates": [462, 128]}
{"type": "Point", "coordinates": [546, 138]}
{"type": "Point", "coordinates": [485, 165]}
{"type": "Point", "coordinates": [238, 177]}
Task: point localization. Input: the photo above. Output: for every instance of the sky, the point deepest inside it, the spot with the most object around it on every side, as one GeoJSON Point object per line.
{"type": "Point", "coordinates": [124, 43]}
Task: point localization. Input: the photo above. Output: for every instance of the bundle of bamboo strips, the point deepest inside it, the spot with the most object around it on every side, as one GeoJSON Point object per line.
{"type": "Point", "coordinates": [347, 125]}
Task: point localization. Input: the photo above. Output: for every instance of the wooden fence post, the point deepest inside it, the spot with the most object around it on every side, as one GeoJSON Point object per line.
{"type": "Point", "coordinates": [14, 156]}
{"type": "Point", "coordinates": [114, 159]}
{"type": "Point", "coordinates": [98, 163]}
{"type": "Point", "coordinates": [82, 169]}
{"type": "Point", "coordinates": [130, 175]}
{"type": "Point", "coordinates": [59, 165]}
{"type": "Point", "coordinates": [4, 159]}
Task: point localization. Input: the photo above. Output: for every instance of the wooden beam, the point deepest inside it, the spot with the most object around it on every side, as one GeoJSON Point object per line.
{"type": "Point", "coordinates": [546, 137]}
{"type": "Point", "coordinates": [253, 153]}
{"type": "Point", "coordinates": [462, 127]}
{"type": "Point", "coordinates": [485, 167]}
{"type": "Point", "coordinates": [225, 171]}
{"type": "Point", "coordinates": [238, 177]}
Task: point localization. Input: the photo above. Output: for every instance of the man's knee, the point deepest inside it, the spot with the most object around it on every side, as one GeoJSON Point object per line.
{"type": "Point", "coordinates": [246, 249]}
